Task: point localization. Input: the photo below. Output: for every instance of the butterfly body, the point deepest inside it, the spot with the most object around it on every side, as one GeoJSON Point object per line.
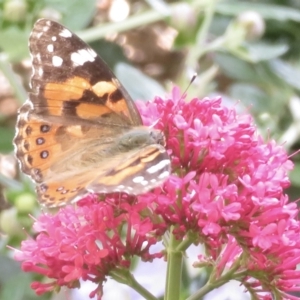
{"type": "Point", "coordinates": [80, 131]}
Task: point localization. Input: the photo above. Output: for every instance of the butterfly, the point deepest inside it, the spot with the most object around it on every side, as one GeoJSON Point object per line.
{"type": "Point", "coordinates": [80, 132]}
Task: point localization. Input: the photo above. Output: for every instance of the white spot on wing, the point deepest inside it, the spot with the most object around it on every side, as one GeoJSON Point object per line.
{"type": "Point", "coordinates": [32, 69]}
{"type": "Point", "coordinates": [39, 34]}
{"type": "Point", "coordinates": [50, 48]}
{"type": "Point", "coordinates": [24, 116]}
{"type": "Point", "coordinates": [38, 57]}
{"type": "Point", "coordinates": [158, 166]}
{"type": "Point", "coordinates": [65, 33]}
{"type": "Point", "coordinates": [57, 61]}
{"type": "Point", "coordinates": [164, 175]}
{"type": "Point", "coordinates": [29, 103]}
{"type": "Point", "coordinates": [41, 72]}
{"type": "Point", "coordinates": [82, 56]}
{"type": "Point", "coordinates": [54, 38]}
{"type": "Point", "coordinates": [138, 179]}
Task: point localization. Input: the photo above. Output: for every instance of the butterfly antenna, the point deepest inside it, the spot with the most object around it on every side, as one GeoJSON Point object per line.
{"type": "Point", "coordinates": [191, 81]}
{"type": "Point", "coordinates": [154, 123]}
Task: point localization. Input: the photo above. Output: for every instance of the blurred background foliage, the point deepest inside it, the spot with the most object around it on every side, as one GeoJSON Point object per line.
{"type": "Point", "coordinates": [246, 51]}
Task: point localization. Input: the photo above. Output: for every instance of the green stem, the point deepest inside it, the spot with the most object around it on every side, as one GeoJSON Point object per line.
{"type": "Point", "coordinates": [174, 270]}
{"type": "Point", "coordinates": [188, 241]}
{"type": "Point", "coordinates": [197, 51]}
{"type": "Point", "coordinates": [125, 277]}
{"type": "Point", "coordinates": [208, 17]}
{"type": "Point", "coordinates": [10, 183]}
{"type": "Point", "coordinates": [94, 33]}
{"type": "Point", "coordinates": [13, 79]}
{"type": "Point", "coordinates": [215, 283]}
{"type": "Point", "coordinates": [134, 21]}
{"type": "Point", "coordinates": [202, 292]}
{"type": "Point", "coordinates": [217, 44]}
{"type": "Point", "coordinates": [209, 286]}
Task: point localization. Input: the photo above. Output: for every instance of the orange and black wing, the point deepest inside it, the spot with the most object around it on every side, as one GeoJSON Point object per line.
{"type": "Point", "coordinates": [71, 81]}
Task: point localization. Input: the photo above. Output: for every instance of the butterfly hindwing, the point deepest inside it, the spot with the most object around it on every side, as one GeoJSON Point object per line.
{"type": "Point", "coordinates": [134, 173]}
{"type": "Point", "coordinates": [44, 148]}
{"type": "Point", "coordinates": [137, 173]}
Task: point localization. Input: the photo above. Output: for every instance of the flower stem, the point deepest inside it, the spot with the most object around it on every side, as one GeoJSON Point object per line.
{"type": "Point", "coordinates": [186, 243]}
{"type": "Point", "coordinates": [174, 270]}
{"type": "Point", "coordinates": [208, 17]}
{"type": "Point", "coordinates": [201, 292]}
{"type": "Point", "coordinates": [196, 52]}
{"type": "Point", "coordinates": [125, 277]}
{"type": "Point", "coordinates": [134, 21]}
{"type": "Point", "coordinates": [13, 79]}
{"type": "Point", "coordinates": [215, 283]}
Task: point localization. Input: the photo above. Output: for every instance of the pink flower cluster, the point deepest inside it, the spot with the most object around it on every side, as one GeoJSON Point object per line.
{"type": "Point", "coordinates": [87, 242]}
{"type": "Point", "coordinates": [226, 192]}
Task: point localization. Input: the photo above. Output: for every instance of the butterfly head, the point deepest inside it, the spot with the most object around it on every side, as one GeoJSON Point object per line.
{"type": "Point", "coordinates": [140, 137]}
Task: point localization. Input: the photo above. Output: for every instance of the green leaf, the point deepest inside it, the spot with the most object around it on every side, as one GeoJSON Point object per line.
{"type": "Point", "coordinates": [236, 68]}
{"type": "Point", "coordinates": [267, 11]}
{"type": "Point", "coordinates": [286, 72]}
{"type": "Point", "coordinates": [9, 268]}
{"type": "Point", "coordinates": [138, 85]}
{"type": "Point", "coordinates": [111, 53]}
{"type": "Point", "coordinates": [77, 14]}
{"type": "Point", "coordinates": [295, 175]}
{"type": "Point", "coordinates": [6, 135]}
{"type": "Point", "coordinates": [13, 41]}
{"type": "Point", "coordinates": [250, 96]}
{"type": "Point", "coordinates": [265, 51]}
{"type": "Point", "coordinates": [18, 288]}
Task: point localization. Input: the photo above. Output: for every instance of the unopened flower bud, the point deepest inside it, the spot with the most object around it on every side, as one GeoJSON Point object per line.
{"type": "Point", "coordinates": [15, 10]}
{"type": "Point", "coordinates": [253, 23]}
{"type": "Point", "coordinates": [50, 13]}
{"type": "Point", "coordinates": [9, 222]}
{"type": "Point", "coordinates": [183, 17]}
{"type": "Point", "coordinates": [25, 203]}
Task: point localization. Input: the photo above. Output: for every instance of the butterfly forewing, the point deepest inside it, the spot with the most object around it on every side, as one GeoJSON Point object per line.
{"type": "Point", "coordinates": [79, 131]}
{"type": "Point", "coordinates": [69, 79]}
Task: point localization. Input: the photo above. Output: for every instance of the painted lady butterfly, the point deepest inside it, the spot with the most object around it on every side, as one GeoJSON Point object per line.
{"type": "Point", "coordinates": [80, 131]}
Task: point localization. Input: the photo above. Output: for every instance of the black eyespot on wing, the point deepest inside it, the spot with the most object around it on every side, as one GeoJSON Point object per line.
{"type": "Point", "coordinates": [45, 128]}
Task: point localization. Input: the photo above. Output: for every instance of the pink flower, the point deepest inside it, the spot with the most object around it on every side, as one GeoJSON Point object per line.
{"type": "Point", "coordinates": [226, 192]}
{"type": "Point", "coordinates": [86, 243]}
